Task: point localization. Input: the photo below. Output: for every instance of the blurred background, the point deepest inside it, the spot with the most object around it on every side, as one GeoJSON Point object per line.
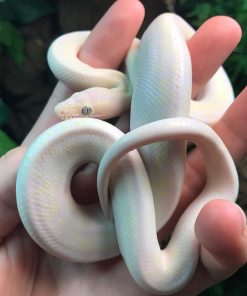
{"type": "Point", "coordinates": [27, 27]}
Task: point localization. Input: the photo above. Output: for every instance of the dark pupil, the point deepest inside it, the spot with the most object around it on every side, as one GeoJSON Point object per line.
{"type": "Point", "coordinates": [86, 110]}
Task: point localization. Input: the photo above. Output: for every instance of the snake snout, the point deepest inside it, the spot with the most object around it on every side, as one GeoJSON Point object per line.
{"type": "Point", "coordinates": [71, 109]}
{"type": "Point", "coordinates": [60, 111]}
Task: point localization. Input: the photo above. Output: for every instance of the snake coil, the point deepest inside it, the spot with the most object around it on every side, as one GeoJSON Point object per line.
{"type": "Point", "coordinates": [144, 168]}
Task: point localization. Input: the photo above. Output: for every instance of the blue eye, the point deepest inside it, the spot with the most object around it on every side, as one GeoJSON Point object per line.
{"type": "Point", "coordinates": [86, 110]}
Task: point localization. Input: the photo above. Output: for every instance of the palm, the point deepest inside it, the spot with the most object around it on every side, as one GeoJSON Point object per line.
{"type": "Point", "coordinates": [35, 272]}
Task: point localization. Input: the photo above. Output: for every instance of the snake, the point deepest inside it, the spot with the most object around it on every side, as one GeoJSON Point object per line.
{"type": "Point", "coordinates": [142, 170]}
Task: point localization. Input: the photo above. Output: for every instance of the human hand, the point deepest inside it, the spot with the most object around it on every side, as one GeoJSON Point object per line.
{"type": "Point", "coordinates": [224, 245]}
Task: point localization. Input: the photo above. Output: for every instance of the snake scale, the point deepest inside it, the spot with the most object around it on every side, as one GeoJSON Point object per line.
{"type": "Point", "coordinates": [145, 183]}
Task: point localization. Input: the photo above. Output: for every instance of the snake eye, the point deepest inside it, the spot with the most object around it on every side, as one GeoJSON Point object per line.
{"type": "Point", "coordinates": [86, 110]}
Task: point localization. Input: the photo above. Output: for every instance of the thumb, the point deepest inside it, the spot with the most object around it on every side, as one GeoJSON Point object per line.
{"type": "Point", "coordinates": [221, 229]}
{"type": "Point", "coordinates": [9, 164]}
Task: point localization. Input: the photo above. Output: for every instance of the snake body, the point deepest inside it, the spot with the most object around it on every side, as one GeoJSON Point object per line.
{"type": "Point", "coordinates": [145, 184]}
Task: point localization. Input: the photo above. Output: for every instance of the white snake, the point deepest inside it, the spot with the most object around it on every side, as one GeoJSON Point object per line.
{"type": "Point", "coordinates": [145, 184]}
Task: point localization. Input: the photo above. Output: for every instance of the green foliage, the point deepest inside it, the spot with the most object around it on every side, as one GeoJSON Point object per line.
{"type": "Point", "coordinates": [16, 12]}
{"type": "Point", "coordinates": [198, 11]}
{"type": "Point", "coordinates": [11, 41]}
{"type": "Point", "coordinates": [4, 112]}
{"type": "Point", "coordinates": [6, 143]}
{"type": "Point", "coordinates": [24, 11]}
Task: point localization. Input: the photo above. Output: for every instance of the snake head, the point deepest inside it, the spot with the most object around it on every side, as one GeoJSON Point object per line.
{"type": "Point", "coordinates": [87, 103]}
{"type": "Point", "coordinates": [78, 105]}
{"type": "Point", "coordinates": [95, 102]}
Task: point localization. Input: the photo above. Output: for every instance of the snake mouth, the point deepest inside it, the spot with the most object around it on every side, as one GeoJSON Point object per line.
{"type": "Point", "coordinates": [67, 117]}
{"type": "Point", "coordinates": [63, 115]}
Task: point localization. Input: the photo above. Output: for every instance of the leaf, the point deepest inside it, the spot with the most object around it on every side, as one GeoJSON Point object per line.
{"type": "Point", "coordinates": [12, 40]}
{"type": "Point", "coordinates": [6, 12]}
{"type": "Point", "coordinates": [4, 112]}
{"type": "Point", "coordinates": [201, 11]}
{"type": "Point", "coordinates": [6, 143]}
{"type": "Point", "coordinates": [27, 11]}
{"type": "Point", "coordinates": [244, 6]}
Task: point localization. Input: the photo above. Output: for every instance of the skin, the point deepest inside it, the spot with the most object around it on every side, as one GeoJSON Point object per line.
{"type": "Point", "coordinates": [27, 270]}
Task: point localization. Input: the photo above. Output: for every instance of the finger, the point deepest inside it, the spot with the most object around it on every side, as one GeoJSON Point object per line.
{"type": "Point", "coordinates": [115, 31]}
{"type": "Point", "coordinates": [223, 238]}
{"type": "Point", "coordinates": [218, 233]}
{"type": "Point", "coordinates": [84, 184]}
{"type": "Point", "coordinates": [232, 127]}
{"type": "Point", "coordinates": [9, 216]}
{"type": "Point", "coordinates": [222, 35]}
{"type": "Point", "coordinates": [213, 42]}
{"type": "Point", "coordinates": [224, 245]}
{"type": "Point", "coordinates": [106, 47]}
{"type": "Point", "coordinates": [111, 38]}
{"type": "Point", "coordinates": [233, 132]}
